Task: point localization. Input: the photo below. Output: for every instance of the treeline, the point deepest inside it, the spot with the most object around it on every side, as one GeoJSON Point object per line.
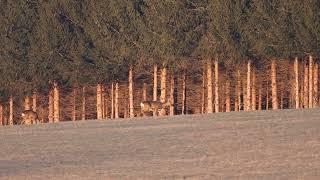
{"type": "Point", "coordinates": [234, 52]}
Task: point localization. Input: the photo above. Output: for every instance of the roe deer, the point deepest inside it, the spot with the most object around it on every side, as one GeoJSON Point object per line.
{"type": "Point", "coordinates": [154, 106]}
{"type": "Point", "coordinates": [29, 117]}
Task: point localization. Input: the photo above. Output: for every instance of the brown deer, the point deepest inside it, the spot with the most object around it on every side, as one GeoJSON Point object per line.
{"type": "Point", "coordinates": [29, 117]}
{"type": "Point", "coordinates": [158, 108]}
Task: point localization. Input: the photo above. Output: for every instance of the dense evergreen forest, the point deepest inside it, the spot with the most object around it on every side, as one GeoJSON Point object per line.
{"type": "Point", "coordinates": [76, 59]}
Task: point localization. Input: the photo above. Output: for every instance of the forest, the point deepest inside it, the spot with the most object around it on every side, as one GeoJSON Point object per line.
{"type": "Point", "coordinates": [74, 59]}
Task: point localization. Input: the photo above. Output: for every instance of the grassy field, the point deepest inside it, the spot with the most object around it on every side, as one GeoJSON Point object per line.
{"type": "Point", "coordinates": [245, 145]}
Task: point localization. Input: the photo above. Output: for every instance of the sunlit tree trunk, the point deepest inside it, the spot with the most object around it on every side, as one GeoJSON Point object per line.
{"type": "Point", "coordinates": [267, 97]}
{"type": "Point", "coordinates": [216, 84]}
{"type": "Point", "coordinates": [210, 89]}
{"type": "Point", "coordinates": [83, 109]}
{"type": "Point", "coordinates": [260, 98]}
{"type": "Point", "coordinates": [144, 96]}
{"type": "Point", "coordinates": [275, 104]}
{"type": "Point", "coordinates": [34, 101]}
{"type": "Point", "coordinates": [172, 95]}
{"type": "Point", "coordinates": [184, 93]}
{"type": "Point", "coordinates": [112, 101]}
{"type": "Point", "coordinates": [103, 102]}
{"type": "Point", "coordinates": [244, 94]}
{"type": "Point", "coordinates": [116, 102]}
{"type": "Point", "coordinates": [131, 108]}
{"type": "Point", "coordinates": [315, 85]}
{"type": "Point", "coordinates": [163, 84]}
{"type": "Point", "coordinates": [296, 72]}
{"type": "Point", "coordinates": [310, 104]}
{"type": "Point", "coordinates": [248, 104]}
{"type": "Point", "coordinates": [254, 91]}
{"type": "Point", "coordinates": [10, 110]}
{"type": "Point", "coordinates": [99, 101]}
{"type": "Point", "coordinates": [306, 86]}
{"type": "Point", "coordinates": [228, 101]}
{"type": "Point", "coordinates": [27, 105]}
{"type": "Point", "coordinates": [1, 115]}
{"type": "Point", "coordinates": [50, 107]}
{"type": "Point", "coordinates": [74, 94]}
{"type": "Point", "coordinates": [155, 83]}
{"type": "Point", "coordinates": [238, 92]}
{"type": "Point", "coordinates": [56, 103]}
{"type": "Point", "coordinates": [203, 93]}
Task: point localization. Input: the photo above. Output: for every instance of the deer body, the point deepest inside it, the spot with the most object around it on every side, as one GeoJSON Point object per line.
{"type": "Point", "coordinates": [153, 106]}
{"type": "Point", "coordinates": [29, 117]}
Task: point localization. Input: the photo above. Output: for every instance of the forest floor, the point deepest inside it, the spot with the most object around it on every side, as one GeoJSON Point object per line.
{"type": "Point", "coordinates": [246, 145]}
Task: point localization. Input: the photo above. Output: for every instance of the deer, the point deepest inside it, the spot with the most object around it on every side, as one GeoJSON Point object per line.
{"type": "Point", "coordinates": [29, 117]}
{"type": "Point", "coordinates": [156, 107]}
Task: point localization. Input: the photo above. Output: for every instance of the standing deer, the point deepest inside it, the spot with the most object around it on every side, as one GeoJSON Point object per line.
{"type": "Point", "coordinates": [156, 107]}
{"type": "Point", "coordinates": [29, 117]}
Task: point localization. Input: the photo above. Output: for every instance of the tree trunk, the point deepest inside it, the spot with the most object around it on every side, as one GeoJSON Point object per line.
{"type": "Point", "coordinates": [216, 84]}
{"type": "Point", "coordinates": [305, 86]}
{"type": "Point", "coordinates": [254, 91]}
{"type": "Point", "coordinates": [144, 97]}
{"type": "Point", "coordinates": [83, 111]}
{"type": "Point", "coordinates": [310, 105]}
{"type": "Point", "coordinates": [116, 102]}
{"type": "Point", "coordinates": [260, 98]}
{"type": "Point", "coordinates": [238, 92]}
{"type": "Point", "coordinates": [50, 107]}
{"type": "Point", "coordinates": [99, 101]}
{"type": "Point", "coordinates": [106, 109]}
{"type": "Point", "coordinates": [172, 95]}
{"type": "Point", "coordinates": [248, 104]}
{"type": "Point", "coordinates": [27, 105]}
{"type": "Point", "coordinates": [103, 102]}
{"type": "Point", "coordinates": [131, 108]}
{"type": "Point", "coordinates": [10, 110]}
{"type": "Point", "coordinates": [155, 83]}
{"type": "Point", "coordinates": [203, 93]}
{"type": "Point", "coordinates": [34, 101]}
{"type": "Point", "coordinates": [74, 104]}
{"type": "Point", "coordinates": [112, 101]}
{"type": "Point", "coordinates": [209, 85]}
{"type": "Point", "coordinates": [244, 94]}
{"type": "Point", "coordinates": [275, 104]}
{"type": "Point", "coordinates": [163, 85]}
{"type": "Point", "coordinates": [1, 115]}
{"type": "Point", "coordinates": [296, 72]}
{"type": "Point", "coordinates": [228, 101]}
{"type": "Point", "coordinates": [184, 93]}
{"type": "Point", "coordinates": [281, 100]}
{"type": "Point", "coordinates": [315, 85]}
{"type": "Point", "coordinates": [56, 103]}
{"type": "Point", "coordinates": [267, 97]}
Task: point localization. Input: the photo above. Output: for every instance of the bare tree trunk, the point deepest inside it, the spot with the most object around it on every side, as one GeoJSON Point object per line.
{"type": "Point", "coordinates": [106, 109]}
{"type": "Point", "coordinates": [254, 91]}
{"type": "Point", "coordinates": [184, 93]}
{"type": "Point", "coordinates": [228, 101]}
{"type": "Point", "coordinates": [10, 110]}
{"type": "Point", "coordinates": [310, 82]}
{"type": "Point", "coordinates": [144, 97]}
{"type": "Point", "coordinates": [50, 107]}
{"type": "Point", "coordinates": [34, 101]}
{"type": "Point", "coordinates": [248, 107]}
{"type": "Point", "coordinates": [116, 102]}
{"type": "Point", "coordinates": [238, 92]}
{"type": "Point", "coordinates": [203, 92]}
{"type": "Point", "coordinates": [244, 94]}
{"type": "Point", "coordinates": [172, 95]}
{"type": "Point", "coordinates": [260, 98]}
{"type": "Point", "coordinates": [216, 84]}
{"type": "Point", "coordinates": [1, 115]}
{"type": "Point", "coordinates": [99, 101]}
{"type": "Point", "coordinates": [163, 85]}
{"type": "Point", "coordinates": [281, 100]}
{"type": "Point", "coordinates": [83, 111]}
{"type": "Point", "coordinates": [131, 108]}
{"type": "Point", "coordinates": [74, 103]}
{"type": "Point", "coordinates": [27, 105]}
{"type": "Point", "coordinates": [209, 85]}
{"type": "Point", "coordinates": [315, 85]}
{"type": "Point", "coordinates": [103, 102]}
{"type": "Point", "coordinates": [275, 104]}
{"type": "Point", "coordinates": [306, 86]}
{"type": "Point", "coordinates": [155, 83]}
{"type": "Point", "coordinates": [296, 72]}
{"type": "Point", "coordinates": [56, 103]}
{"type": "Point", "coordinates": [267, 97]}
{"type": "Point", "coordinates": [112, 101]}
